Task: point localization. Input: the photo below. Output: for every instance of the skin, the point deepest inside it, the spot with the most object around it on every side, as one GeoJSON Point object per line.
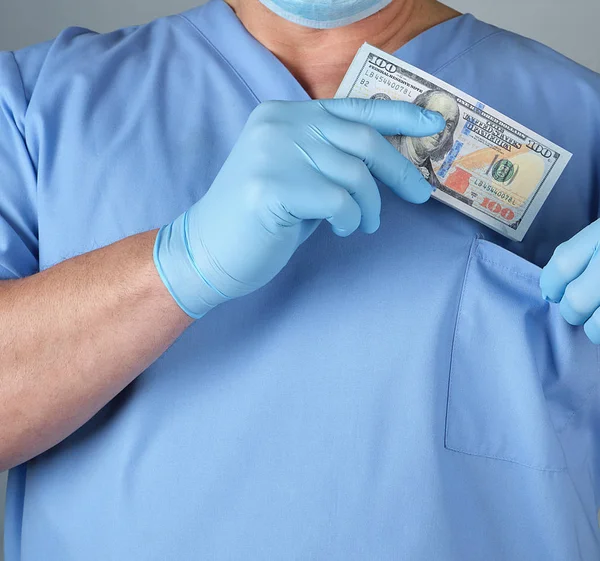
{"type": "Point", "coordinates": [319, 58]}
{"type": "Point", "coordinates": [74, 336]}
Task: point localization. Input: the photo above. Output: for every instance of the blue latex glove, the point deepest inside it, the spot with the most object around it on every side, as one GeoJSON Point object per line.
{"type": "Point", "coordinates": [294, 164]}
{"type": "Point", "coordinates": [572, 277]}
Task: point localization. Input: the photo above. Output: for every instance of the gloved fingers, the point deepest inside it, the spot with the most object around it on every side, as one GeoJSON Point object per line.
{"type": "Point", "coordinates": [582, 296]}
{"type": "Point", "coordinates": [592, 327]}
{"type": "Point", "coordinates": [319, 198]}
{"type": "Point", "coordinates": [569, 261]}
{"type": "Point", "coordinates": [388, 117]}
{"type": "Point", "coordinates": [350, 173]}
{"type": "Point", "coordinates": [382, 159]}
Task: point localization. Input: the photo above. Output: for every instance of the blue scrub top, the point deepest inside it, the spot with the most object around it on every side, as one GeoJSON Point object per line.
{"type": "Point", "coordinates": [406, 395]}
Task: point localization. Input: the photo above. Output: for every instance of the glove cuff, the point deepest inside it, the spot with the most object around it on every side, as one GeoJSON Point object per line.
{"type": "Point", "coordinates": [178, 271]}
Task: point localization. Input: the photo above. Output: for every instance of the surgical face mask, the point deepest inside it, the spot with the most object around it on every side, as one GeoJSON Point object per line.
{"type": "Point", "coordinates": [325, 14]}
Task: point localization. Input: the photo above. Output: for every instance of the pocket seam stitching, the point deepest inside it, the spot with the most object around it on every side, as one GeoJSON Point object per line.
{"type": "Point", "coordinates": [505, 268]}
{"type": "Point", "coordinates": [456, 330]}
{"type": "Point", "coordinates": [510, 460]}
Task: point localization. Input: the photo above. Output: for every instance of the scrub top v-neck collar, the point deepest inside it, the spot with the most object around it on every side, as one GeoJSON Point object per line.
{"type": "Point", "coordinates": [268, 79]}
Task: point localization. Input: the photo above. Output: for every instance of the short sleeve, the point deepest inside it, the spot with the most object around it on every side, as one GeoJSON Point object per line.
{"type": "Point", "coordinates": [18, 216]}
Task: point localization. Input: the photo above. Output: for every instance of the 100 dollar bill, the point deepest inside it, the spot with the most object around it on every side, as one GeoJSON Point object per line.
{"type": "Point", "coordinates": [483, 164]}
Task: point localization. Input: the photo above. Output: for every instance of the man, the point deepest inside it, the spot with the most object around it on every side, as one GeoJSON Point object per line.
{"type": "Point", "coordinates": [195, 367]}
{"type": "Point", "coordinates": [420, 151]}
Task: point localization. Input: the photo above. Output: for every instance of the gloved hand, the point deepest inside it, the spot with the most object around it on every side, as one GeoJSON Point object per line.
{"type": "Point", "coordinates": [294, 164]}
{"type": "Point", "coordinates": [572, 277]}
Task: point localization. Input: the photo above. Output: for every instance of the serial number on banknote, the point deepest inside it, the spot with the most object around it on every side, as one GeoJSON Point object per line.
{"type": "Point", "coordinates": [483, 163]}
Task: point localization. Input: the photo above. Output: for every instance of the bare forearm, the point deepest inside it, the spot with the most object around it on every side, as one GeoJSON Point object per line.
{"type": "Point", "coordinates": [73, 336]}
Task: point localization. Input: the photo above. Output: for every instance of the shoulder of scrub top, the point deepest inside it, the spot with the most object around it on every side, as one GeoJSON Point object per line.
{"type": "Point", "coordinates": [79, 51]}
{"type": "Point", "coordinates": [525, 61]}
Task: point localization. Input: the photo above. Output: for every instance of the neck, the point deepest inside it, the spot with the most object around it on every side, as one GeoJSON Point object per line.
{"type": "Point", "coordinates": [319, 58]}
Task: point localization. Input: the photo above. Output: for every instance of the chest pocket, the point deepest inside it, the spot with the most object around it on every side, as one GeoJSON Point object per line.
{"type": "Point", "coordinates": [519, 372]}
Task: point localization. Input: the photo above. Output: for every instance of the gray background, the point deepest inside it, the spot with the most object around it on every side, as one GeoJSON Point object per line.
{"type": "Point", "coordinates": [570, 27]}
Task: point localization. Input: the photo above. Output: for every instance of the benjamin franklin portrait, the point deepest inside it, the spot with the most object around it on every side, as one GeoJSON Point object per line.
{"type": "Point", "coordinates": [421, 151]}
